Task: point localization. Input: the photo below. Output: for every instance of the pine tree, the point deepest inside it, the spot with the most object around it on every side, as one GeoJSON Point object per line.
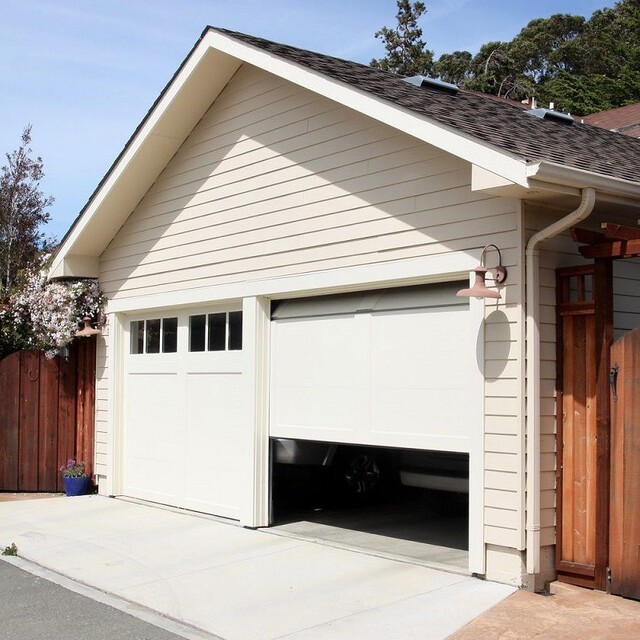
{"type": "Point", "coordinates": [407, 54]}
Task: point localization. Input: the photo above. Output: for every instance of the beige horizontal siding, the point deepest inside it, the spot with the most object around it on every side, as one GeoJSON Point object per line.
{"type": "Point", "coordinates": [102, 399]}
{"type": "Point", "coordinates": [275, 180]}
{"type": "Point", "coordinates": [626, 296]}
{"type": "Point", "coordinates": [501, 480]}
{"type": "Point", "coordinates": [501, 499]}
{"type": "Point", "coordinates": [501, 536]}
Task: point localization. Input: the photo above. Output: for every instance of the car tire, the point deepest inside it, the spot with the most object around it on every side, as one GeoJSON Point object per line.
{"type": "Point", "coordinates": [359, 474]}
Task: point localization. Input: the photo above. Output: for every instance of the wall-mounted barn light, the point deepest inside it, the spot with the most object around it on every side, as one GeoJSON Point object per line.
{"type": "Point", "coordinates": [87, 331]}
{"type": "Point", "coordinates": [479, 289]}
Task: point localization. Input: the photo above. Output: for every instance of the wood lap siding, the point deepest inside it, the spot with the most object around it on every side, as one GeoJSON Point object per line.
{"type": "Point", "coordinates": [503, 477]}
{"type": "Point", "coordinates": [276, 181]}
{"type": "Point", "coordinates": [102, 395]}
{"type": "Point", "coordinates": [560, 251]}
{"type": "Point", "coordinates": [626, 296]}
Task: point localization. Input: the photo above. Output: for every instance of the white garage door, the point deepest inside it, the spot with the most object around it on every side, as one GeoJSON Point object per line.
{"type": "Point", "coordinates": [183, 410]}
{"type": "Point", "coordinates": [390, 368]}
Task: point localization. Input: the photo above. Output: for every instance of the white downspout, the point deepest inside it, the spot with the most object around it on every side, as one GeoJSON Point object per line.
{"type": "Point", "coordinates": [533, 372]}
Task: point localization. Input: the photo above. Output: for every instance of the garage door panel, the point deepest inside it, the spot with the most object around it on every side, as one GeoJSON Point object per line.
{"type": "Point", "coordinates": [433, 416]}
{"type": "Point", "coordinates": [315, 389]}
{"type": "Point", "coordinates": [224, 362]}
{"type": "Point", "coordinates": [214, 442]}
{"type": "Point", "coordinates": [139, 364]}
{"type": "Point", "coordinates": [316, 411]}
{"type": "Point", "coordinates": [308, 350]}
{"type": "Point", "coordinates": [419, 349]}
{"type": "Point", "coordinates": [184, 419]}
{"type": "Point", "coordinates": [165, 488]}
{"type": "Point", "coordinates": [402, 375]}
{"type": "Point", "coordinates": [154, 451]}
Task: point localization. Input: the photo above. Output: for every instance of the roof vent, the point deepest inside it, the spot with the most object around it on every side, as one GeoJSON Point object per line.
{"type": "Point", "coordinates": [433, 83]}
{"type": "Point", "coordinates": [550, 114]}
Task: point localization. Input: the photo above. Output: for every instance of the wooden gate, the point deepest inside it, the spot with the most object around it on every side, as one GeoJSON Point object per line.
{"type": "Point", "coordinates": [624, 549]}
{"type": "Point", "coordinates": [46, 416]}
{"type": "Point", "coordinates": [598, 454]}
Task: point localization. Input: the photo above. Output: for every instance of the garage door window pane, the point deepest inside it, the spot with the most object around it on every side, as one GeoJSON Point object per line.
{"type": "Point", "coordinates": [153, 336]}
{"type": "Point", "coordinates": [136, 332]}
{"type": "Point", "coordinates": [217, 331]}
{"type": "Point", "coordinates": [197, 326]}
{"type": "Point", "coordinates": [169, 335]}
{"type": "Point", "coordinates": [235, 330]}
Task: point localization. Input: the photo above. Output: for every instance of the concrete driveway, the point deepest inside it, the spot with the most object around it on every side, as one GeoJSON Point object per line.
{"type": "Point", "coordinates": [237, 583]}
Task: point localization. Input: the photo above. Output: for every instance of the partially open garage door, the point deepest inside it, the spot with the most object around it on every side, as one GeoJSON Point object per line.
{"type": "Point", "coordinates": [392, 368]}
{"type": "Point", "coordinates": [184, 411]}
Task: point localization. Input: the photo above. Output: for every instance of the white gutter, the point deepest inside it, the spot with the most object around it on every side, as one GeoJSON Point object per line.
{"type": "Point", "coordinates": [533, 372]}
{"type": "Point", "coordinates": [551, 172]}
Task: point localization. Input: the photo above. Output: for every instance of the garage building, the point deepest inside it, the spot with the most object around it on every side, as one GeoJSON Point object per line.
{"type": "Point", "coordinates": [282, 241]}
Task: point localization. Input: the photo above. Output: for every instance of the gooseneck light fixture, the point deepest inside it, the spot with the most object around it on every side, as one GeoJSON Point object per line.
{"type": "Point", "coordinates": [479, 289]}
{"type": "Point", "coordinates": [87, 331]}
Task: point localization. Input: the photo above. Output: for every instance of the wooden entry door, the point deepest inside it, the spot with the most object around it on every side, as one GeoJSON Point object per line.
{"type": "Point", "coordinates": [624, 545]}
{"type": "Point", "coordinates": [584, 303]}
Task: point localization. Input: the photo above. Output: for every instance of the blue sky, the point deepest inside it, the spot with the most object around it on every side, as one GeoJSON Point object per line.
{"type": "Point", "coordinates": [84, 73]}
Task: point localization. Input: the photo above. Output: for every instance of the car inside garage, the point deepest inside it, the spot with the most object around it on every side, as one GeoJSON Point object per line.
{"type": "Point", "coordinates": [397, 502]}
{"type": "Point", "coordinates": [373, 419]}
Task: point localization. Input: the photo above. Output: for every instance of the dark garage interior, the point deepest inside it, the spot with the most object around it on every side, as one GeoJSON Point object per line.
{"type": "Point", "coordinates": [401, 503]}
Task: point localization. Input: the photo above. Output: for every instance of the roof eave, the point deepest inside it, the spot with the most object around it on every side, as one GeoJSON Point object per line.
{"type": "Point", "coordinates": [181, 104]}
{"type": "Point", "coordinates": [556, 174]}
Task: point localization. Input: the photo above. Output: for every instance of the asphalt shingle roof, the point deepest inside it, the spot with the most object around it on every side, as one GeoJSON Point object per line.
{"type": "Point", "coordinates": [500, 124]}
{"type": "Point", "coordinates": [623, 119]}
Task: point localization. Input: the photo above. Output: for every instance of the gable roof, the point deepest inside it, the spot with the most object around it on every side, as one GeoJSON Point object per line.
{"type": "Point", "coordinates": [501, 124]}
{"type": "Point", "coordinates": [496, 137]}
{"type": "Point", "coordinates": [622, 120]}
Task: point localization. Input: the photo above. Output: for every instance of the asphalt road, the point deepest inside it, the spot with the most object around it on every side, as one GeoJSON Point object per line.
{"type": "Point", "coordinates": [33, 608]}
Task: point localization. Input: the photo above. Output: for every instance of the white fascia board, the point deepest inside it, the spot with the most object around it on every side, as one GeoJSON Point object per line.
{"type": "Point", "coordinates": [550, 172]}
{"type": "Point", "coordinates": [485, 181]}
{"type": "Point", "coordinates": [438, 268]}
{"type": "Point", "coordinates": [184, 101]}
{"type": "Point", "coordinates": [446, 138]}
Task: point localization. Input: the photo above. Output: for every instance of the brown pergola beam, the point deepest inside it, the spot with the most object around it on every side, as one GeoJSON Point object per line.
{"type": "Point", "coordinates": [585, 236]}
{"type": "Point", "coordinates": [612, 249]}
{"type": "Point", "coordinates": [618, 232]}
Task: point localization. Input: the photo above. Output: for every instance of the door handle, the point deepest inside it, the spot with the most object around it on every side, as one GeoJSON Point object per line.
{"type": "Point", "coordinates": [613, 381]}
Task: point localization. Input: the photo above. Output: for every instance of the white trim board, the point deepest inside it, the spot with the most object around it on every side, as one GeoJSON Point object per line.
{"type": "Point", "coordinates": [422, 270]}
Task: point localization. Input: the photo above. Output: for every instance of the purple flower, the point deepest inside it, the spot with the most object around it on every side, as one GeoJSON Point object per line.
{"type": "Point", "coordinates": [73, 469]}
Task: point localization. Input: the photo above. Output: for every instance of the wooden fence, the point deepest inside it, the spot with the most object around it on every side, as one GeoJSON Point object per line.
{"type": "Point", "coordinates": [46, 416]}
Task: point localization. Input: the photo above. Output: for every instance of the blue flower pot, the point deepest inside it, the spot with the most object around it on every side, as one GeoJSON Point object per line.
{"type": "Point", "coordinates": [76, 486]}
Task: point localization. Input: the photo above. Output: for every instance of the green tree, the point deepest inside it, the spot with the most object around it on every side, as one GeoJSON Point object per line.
{"type": "Point", "coordinates": [454, 67]}
{"type": "Point", "coordinates": [23, 212]}
{"type": "Point", "coordinates": [581, 65]}
{"type": "Point", "coordinates": [407, 54]}
{"type": "Point", "coordinates": [547, 46]}
{"type": "Point", "coordinates": [494, 70]}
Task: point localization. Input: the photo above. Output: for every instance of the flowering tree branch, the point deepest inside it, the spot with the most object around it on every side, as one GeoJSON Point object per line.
{"type": "Point", "coordinates": [45, 315]}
